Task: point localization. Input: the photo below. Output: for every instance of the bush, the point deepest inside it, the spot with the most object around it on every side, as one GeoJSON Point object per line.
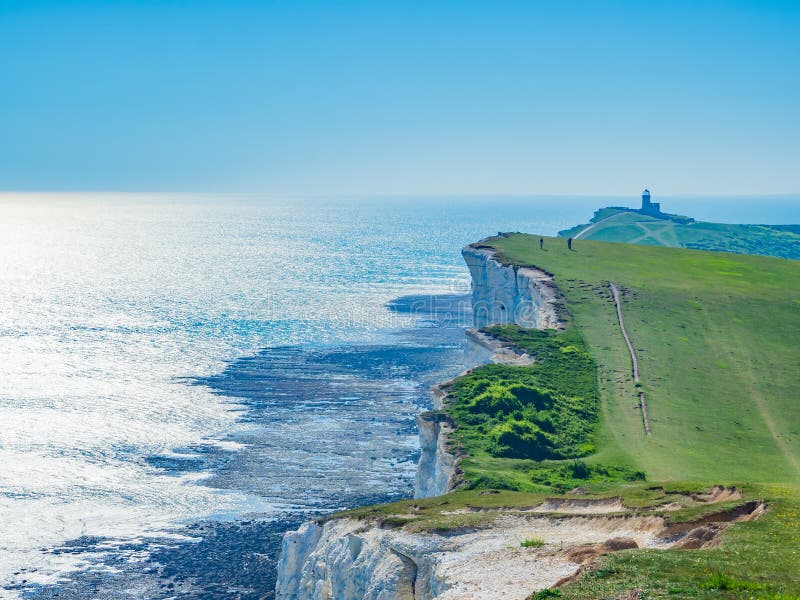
{"type": "Point", "coordinates": [520, 439]}
{"type": "Point", "coordinates": [496, 400]}
{"type": "Point", "coordinates": [547, 410]}
{"type": "Point", "coordinates": [531, 396]}
{"type": "Point", "coordinates": [493, 482]}
{"type": "Point", "coordinates": [580, 470]}
{"type": "Point", "coordinates": [562, 477]}
{"type": "Point", "coordinates": [546, 593]}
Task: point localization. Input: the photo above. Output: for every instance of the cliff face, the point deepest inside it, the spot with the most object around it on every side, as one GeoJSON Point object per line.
{"type": "Point", "coordinates": [343, 558]}
{"type": "Point", "coordinates": [502, 294]}
{"type": "Point", "coordinates": [437, 468]}
{"type": "Point", "coordinates": [346, 559]}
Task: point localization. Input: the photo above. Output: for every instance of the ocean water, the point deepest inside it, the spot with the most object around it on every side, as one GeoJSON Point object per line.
{"type": "Point", "coordinates": [167, 361]}
{"type": "Point", "coordinates": [182, 378]}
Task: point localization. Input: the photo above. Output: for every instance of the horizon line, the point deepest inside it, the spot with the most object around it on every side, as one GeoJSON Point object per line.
{"type": "Point", "coordinates": [398, 195]}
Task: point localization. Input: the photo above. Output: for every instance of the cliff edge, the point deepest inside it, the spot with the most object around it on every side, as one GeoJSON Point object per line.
{"type": "Point", "coordinates": [346, 558]}
{"type": "Point", "coordinates": [503, 294]}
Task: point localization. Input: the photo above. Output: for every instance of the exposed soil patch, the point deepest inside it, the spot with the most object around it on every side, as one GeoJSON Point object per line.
{"type": "Point", "coordinates": [581, 507]}
{"type": "Point", "coordinates": [718, 494]}
{"type": "Point", "coordinates": [588, 552]}
{"type": "Point", "coordinates": [569, 535]}
{"type": "Point", "coordinates": [748, 511]}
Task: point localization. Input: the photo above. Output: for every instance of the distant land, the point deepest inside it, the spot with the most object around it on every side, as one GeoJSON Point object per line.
{"type": "Point", "coordinates": [648, 225]}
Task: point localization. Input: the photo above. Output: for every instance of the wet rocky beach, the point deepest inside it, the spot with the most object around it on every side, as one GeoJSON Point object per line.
{"type": "Point", "coordinates": [321, 429]}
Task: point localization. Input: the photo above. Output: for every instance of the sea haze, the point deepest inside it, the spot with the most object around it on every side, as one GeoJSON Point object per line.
{"type": "Point", "coordinates": [184, 378]}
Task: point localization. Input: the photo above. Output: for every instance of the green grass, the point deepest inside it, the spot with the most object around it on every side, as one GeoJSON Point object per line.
{"type": "Point", "coordinates": [616, 225]}
{"type": "Point", "coordinates": [546, 593]}
{"type": "Point", "coordinates": [544, 411]}
{"type": "Point", "coordinates": [534, 542]}
{"type": "Point", "coordinates": [716, 336]}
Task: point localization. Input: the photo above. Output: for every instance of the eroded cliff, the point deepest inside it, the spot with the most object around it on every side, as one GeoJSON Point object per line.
{"type": "Point", "coordinates": [345, 558]}
{"type": "Point", "coordinates": [504, 294]}
{"type": "Point", "coordinates": [437, 471]}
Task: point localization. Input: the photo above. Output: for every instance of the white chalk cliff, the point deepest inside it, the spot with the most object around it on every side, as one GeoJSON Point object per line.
{"type": "Point", "coordinates": [503, 294]}
{"type": "Point", "coordinates": [437, 471]}
{"type": "Point", "coordinates": [346, 559]}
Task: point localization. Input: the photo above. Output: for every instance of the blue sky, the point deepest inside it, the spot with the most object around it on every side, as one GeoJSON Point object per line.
{"type": "Point", "coordinates": [401, 97]}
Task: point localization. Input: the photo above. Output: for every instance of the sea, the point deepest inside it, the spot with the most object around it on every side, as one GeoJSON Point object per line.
{"type": "Point", "coordinates": [184, 377]}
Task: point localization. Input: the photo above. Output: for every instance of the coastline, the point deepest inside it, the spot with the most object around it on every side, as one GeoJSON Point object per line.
{"type": "Point", "coordinates": [376, 388]}
{"type": "Point", "coordinates": [313, 558]}
{"type": "Point", "coordinates": [494, 540]}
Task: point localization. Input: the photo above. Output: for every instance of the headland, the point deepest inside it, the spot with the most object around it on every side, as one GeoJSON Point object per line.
{"type": "Point", "coordinates": [538, 478]}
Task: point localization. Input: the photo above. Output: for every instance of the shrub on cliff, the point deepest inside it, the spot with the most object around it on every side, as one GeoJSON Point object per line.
{"type": "Point", "coordinates": [497, 400]}
{"type": "Point", "coordinates": [521, 439]}
{"type": "Point", "coordinates": [544, 411]}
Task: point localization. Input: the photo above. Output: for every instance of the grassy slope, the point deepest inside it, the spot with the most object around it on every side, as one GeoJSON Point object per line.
{"type": "Point", "coordinates": [621, 226]}
{"type": "Point", "coordinates": [716, 336]}
{"type": "Point", "coordinates": [555, 422]}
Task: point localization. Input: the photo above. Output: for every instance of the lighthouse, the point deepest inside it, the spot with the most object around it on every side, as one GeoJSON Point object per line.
{"type": "Point", "coordinates": [648, 207]}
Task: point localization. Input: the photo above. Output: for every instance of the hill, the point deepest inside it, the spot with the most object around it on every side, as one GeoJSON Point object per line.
{"type": "Point", "coordinates": [716, 337]}
{"type": "Point", "coordinates": [634, 227]}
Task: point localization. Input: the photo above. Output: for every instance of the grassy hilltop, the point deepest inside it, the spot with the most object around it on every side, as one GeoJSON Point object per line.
{"type": "Point", "coordinates": [717, 340]}
{"type": "Point", "coordinates": [634, 227]}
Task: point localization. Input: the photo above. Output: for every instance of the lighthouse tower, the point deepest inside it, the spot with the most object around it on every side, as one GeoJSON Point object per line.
{"type": "Point", "coordinates": [650, 208]}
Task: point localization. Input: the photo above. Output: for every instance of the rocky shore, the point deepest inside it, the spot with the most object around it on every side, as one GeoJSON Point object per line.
{"type": "Point", "coordinates": [345, 558]}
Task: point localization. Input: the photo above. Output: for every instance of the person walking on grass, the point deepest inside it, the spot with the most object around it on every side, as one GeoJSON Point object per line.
{"type": "Point", "coordinates": [569, 243]}
{"type": "Point", "coordinates": [541, 243]}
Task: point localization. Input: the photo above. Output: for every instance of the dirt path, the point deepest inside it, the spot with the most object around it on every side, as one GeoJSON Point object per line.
{"type": "Point", "coordinates": [763, 410]}
{"type": "Point", "coordinates": [593, 225]}
{"type": "Point", "coordinates": [780, 440]}
{"type": "Point", "coordinates": [634, 360]}
{"type": "Point", "coordinates": [653, 234]}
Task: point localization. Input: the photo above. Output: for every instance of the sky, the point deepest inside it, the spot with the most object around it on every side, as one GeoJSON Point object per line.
{"type": "Point", "coordinates": [346, 97]}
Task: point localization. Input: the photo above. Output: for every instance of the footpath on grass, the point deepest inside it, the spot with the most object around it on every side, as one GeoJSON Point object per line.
{"type": "Point", "coordinates": [634, 360]}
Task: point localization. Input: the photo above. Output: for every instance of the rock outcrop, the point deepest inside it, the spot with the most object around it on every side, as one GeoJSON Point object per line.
{"type": "Point", "coordinates": [502, 352]}
{"type": "Point", "coordinates": [347, 559]}
{"type": "Point", "coordinates": [437, 471]}
{"type": "Point", "coordinates": [503, 294]}
{"type": "Point", "coordinates": [344, 558]}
